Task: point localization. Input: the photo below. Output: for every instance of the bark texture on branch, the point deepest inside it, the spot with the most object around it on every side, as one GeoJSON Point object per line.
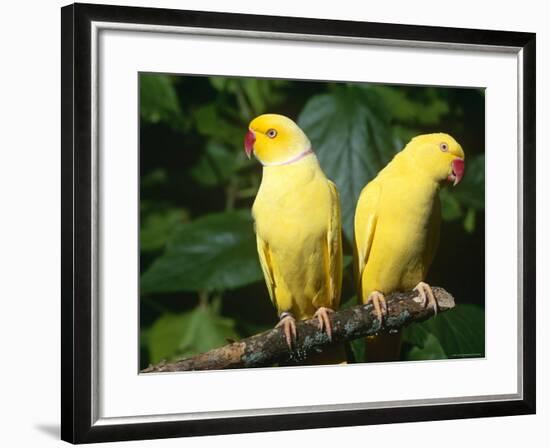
{"type": "Point", "coordinates": [269, 348]}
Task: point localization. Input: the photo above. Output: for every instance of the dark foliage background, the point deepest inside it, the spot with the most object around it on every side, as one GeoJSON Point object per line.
{"type": "Point", "coordinates": [201, 283]}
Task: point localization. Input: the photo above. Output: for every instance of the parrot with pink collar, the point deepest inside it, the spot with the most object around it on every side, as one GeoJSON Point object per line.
{"type": "Point", "coordinates": [298, 227]}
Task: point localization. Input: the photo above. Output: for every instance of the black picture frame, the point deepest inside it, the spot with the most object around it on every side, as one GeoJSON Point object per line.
{"type": "Point", "coordinates": [76, 313]}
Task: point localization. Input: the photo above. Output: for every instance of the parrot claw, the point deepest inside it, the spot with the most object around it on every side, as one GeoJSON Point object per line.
{"type": "Point", "coordinates": [324, 320]}
{"type": "Point", "coordinates": [288, 324]}
{"type": "Point", "coordinates": [379, 302]}
{"type": "Point", "coordinates": [426, 296]}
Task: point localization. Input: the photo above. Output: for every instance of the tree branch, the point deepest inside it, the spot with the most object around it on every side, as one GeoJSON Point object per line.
{"type": "Point", "coordinates": [269, 348]}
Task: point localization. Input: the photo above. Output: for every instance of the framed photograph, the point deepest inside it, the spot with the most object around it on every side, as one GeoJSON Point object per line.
{"type": "Point", "coordinates": [275, 223]}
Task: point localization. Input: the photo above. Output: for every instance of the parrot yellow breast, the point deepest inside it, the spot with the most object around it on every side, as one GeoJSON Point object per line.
{"type": "Point", "coordinates": [297, 220]}
{"type": "Point", "coordinates": [396, 229]}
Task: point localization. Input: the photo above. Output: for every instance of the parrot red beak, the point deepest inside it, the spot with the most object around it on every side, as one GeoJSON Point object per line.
{"type": "Point", "coordinates": [457, 167]}
{"type": "Point", "coordinates": [249, 140]}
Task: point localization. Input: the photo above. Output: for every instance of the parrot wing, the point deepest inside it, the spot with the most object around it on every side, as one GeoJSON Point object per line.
{"type": "Point", "coordinates": [334, 247]}
{"type": "Point", "coordinates": [265, 262]}
{"type": "Point", "coordinates": [366, 217]}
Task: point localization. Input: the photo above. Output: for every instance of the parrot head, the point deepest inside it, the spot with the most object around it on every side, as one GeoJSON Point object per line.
{"type": "Point", "coordinates": [440, 155]}
{"type": "Point", "coordinates": [275, 140]}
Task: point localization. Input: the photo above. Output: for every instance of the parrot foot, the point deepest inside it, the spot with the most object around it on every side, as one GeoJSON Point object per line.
{"type": "Point", "coordinates": [324, 320]}
{"type": "Point", "coordinates": [379, 302]}
{"type": "Point", "coordinates": [288, 324]}
{"type": "Point", "coordinates": [426, 296]}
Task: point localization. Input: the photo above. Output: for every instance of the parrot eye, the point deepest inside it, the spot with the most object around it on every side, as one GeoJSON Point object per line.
{"type": "Point", "coordinates": [444, 147]}
{"type": "Point", "coordinates": [271, 133]}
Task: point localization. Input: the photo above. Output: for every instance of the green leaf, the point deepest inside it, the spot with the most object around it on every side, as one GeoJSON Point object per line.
{"type": "Point", "coordinates": [467, 197]}
{"type": "Point", "coordinates": [470, 192]}
{"type": "Point", "coordinates": [450, 207]}
{"type": "Point", "coordinates": [215, 252]}
{"type": "Point", "coordinates": [158, 100]}
{"type": "Point", "coordinates": [431, 349]}
{"type": "Point", "coordinates": [158, 226]}
{"type": "Point", "coordinates": [212, 123]}
{"type": "Point", "coordinates": [254, 96]}
{"type": "Point", "coordinates": [470, 220]}
{"type": "Point", "coordinates": [352, 140]}
{"type": "Point", "coordinates": [415, 106]}
{"type": "Point", "coordinates": [348, 303]}
{"type": "Point", "coordinates": [358, 349]}
{"type": "Point", "coordinates": [414, 334]}
{"type": "Point", "coordinates": [459, 333]}
{"type": "Point", "coordinates": [215, 165]}
{"type": "Point", "coordinates": [347, 260]}
{"type": "Point", "coordinates": [166, 334]}
{"type": "Point", "coordinates": [154, 178]}
{"type": "Point", "coordinates": [220, 83]}
{"type": "Point", "coordinates": [187, 334]}
{"type": "Point", "coordinates": [264, 93]}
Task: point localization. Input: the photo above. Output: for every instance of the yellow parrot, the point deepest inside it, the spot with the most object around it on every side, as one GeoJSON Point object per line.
{"type": "Point", "coordinates": [297, 222]}
{"type": "Point", "coordinates": [397, 221]}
